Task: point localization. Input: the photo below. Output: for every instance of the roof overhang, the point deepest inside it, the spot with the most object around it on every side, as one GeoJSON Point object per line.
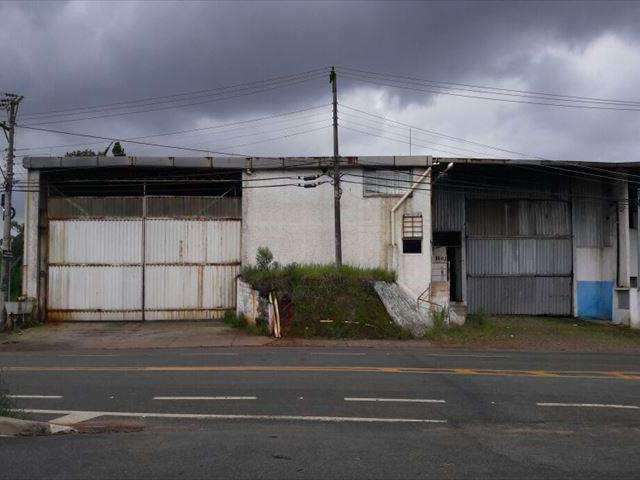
{"type": "Point", "coordinates": [276, 163]}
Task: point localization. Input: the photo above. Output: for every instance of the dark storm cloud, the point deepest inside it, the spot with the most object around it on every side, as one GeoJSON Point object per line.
{"type": "Point", "coordinates": [78, 54]}
{"type": "Point", "coordinates": [62, 55]}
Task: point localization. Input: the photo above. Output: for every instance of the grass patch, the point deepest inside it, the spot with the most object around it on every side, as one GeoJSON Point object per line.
{"type": "Point", "coordinates": [536, 333]}
{"type": "Point", "coordinates": [7, 406]}
{"type": "Point", "coordinates": [327, 301]}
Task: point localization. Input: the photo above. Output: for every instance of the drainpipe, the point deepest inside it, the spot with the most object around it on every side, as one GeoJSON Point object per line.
{"type": "Point", "coordinates": [397, 206]}
{"type": "Point", "coordinates": [406, 195]}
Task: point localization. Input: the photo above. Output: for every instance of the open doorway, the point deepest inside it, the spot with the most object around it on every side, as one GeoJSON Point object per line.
{"type": "Point", "coordinates": [452, 241]}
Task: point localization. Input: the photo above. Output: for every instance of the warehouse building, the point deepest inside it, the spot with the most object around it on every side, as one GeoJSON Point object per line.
{"type": "Point", "coordinates": [164, 238]}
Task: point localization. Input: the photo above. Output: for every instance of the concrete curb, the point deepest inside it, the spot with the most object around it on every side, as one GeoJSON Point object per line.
{"type": "Point", "coordinates": [15, 427]}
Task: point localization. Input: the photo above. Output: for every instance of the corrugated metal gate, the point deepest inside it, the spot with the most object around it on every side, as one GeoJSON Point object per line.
{"type": "Point", "coordinates": [171, 259]}
{"type": "Point", "coordinates": [519, 256]}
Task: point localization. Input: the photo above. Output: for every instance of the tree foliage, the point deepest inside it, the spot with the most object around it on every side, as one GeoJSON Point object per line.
{"type": "Point", "coordinates": [118, 150]}
{"type": "Point", "coordinates": [81, 153]}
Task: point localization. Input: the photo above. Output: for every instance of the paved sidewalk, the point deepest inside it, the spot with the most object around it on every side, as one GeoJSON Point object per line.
{"type": "Point", "coordinates": [118, 335]}
{"type": "Point", "coordinates": [104, 335]}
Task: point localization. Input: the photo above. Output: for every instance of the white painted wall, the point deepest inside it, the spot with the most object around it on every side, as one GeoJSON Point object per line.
{"type": "Point", "coordinates": [297, 226]}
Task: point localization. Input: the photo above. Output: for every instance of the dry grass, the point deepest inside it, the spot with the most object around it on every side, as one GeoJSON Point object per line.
{"type": "Point", "coordinates": [537, 333]}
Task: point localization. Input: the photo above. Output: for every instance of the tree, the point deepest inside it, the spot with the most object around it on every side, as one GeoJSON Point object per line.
{"type": "Point", "coordinates": [81, 153]}
{"type": "Point", "coordinates": [118, 150]}
{"type": "Point", "coordinates": [17, 244]}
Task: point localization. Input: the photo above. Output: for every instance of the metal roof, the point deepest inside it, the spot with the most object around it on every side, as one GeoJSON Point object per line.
{"type": "Point", "coordinates": [259, 163]}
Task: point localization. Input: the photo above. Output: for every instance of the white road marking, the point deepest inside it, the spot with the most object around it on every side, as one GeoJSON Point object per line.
{"type": "Point", "coordinates": [208, 416]}
{"type": "Point", "coordinates": [89, 355]}
{"type": "Point", "coordinates": [472, 355]}
{"type": "Point", "coordinates": [47, 397]}
{"type": "Point", "coordinates": [349, 354]}
{"type": "Point", "coordinates": [205, 398]}
{"type": "Point", "coordinates": [73, 417]}
{"type": "Point", "coordinates": [589, 405]}
{"type": "Point", "coordinates": [201, 354]}
{"type": "Point", "coordinates": [399, 400]}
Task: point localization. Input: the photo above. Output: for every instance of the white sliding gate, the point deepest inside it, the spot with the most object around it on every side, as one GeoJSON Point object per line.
{"type": "Point", "coordinates": [142, 268]}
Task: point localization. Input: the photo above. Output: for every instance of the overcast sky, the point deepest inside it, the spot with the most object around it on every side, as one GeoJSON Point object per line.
{"type": "Point", "coordinates": [64, 55]}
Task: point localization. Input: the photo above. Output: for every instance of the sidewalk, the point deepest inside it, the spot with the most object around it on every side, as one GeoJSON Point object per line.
{"type": "Point", "coordinates": [125, 335]}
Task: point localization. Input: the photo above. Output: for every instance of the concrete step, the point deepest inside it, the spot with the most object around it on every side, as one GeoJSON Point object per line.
{"type": "Point", "coordinates": [402, 308]}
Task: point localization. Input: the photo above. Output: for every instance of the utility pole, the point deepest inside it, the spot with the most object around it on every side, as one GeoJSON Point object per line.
{"type": "Point", "coordinates": [337, 193]}
{"type": "Point", "coordinates": [10, 101]}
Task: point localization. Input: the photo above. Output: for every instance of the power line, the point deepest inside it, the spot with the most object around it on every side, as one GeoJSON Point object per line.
{"type": "Point", "coordinates": [177, 106]}
{"type": "Point", "coordinates": [440, 134]}
{"type": "Point", "coordinates": [137, 142]}
{"type": "Point", "coordinates": [364, 79]}
{"type": "Point", "coordinates": [499, 89]}
{"type": "Point", "coordinates": [147, 99]}
{"type": "Point", "coordinates": [418, 144]}
{"type": "Point", "coordinates": [189, 130]}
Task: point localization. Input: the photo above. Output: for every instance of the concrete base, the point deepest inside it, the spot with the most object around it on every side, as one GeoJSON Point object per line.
{"type": "Point", "coordinates": [15, 427]}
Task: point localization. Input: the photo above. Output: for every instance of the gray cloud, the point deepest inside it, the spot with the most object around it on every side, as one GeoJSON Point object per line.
{"type": "Point", "coordinates": [62, 55]}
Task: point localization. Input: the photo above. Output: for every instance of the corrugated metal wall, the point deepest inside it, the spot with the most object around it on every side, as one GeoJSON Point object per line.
{"type": "Point", "coordinates": [519, 256]}
{"type": "Point", "coordinates": [448, 211]}
{"type": "Point", "coordinates": [190, 265]}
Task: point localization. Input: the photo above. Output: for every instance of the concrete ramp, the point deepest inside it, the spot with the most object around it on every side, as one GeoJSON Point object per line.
{"type": "Point", "coordinates": [402, 308]}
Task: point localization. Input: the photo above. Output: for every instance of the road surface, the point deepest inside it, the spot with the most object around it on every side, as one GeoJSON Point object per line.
{"type": "Point", "coordinates": [326, 413]}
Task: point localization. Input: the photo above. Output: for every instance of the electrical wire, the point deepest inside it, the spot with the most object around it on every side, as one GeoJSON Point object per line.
{"type": "Point", "coordinates": [191, 93]}
{"type": "Point", "coordinates": [362, 78]}
{"type": "Point", "coordinates": [118, 114]}
{"type": "Point", "coordinates": [189, 130]}
{"type": "Point", "coordinates": [528, 93]}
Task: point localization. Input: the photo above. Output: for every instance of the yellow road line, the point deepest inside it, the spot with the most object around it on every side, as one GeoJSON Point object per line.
{"type": "Point", "coordinates": [331, 369]}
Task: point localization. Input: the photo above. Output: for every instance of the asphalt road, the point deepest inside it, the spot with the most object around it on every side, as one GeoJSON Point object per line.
{"type": "Point", "coordinates": [327, 413]}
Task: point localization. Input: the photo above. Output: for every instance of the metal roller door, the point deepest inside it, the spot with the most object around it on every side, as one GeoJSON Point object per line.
{"type": "Point", "coordinates": [519, 257]}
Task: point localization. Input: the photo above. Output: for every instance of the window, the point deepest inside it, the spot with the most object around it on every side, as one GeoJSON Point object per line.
{"type": "Point", "coordinates": [412, 233]}
{"type": "Point", "coordinates": [386, 182]}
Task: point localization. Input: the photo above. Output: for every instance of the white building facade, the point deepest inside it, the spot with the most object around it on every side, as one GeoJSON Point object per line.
{"type": "Point", "coordinates": [164, 238]}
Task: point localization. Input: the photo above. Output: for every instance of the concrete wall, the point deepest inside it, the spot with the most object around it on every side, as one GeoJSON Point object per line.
{"type": "Point", "coordinates": [297, 225]}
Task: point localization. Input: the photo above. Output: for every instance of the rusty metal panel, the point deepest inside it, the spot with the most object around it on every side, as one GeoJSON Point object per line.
{"type": "Point", "coordinates": [94, 315]}
{"type": "Point", "coordinates": [194, 207]}
{"type": "Point", "coordinates": [223, 241]}
{"type": "Point", "coordinates": [102, 242]}
{"type": "Point", "coordinates": [520, 295]}
{"type": "Point", "coordinates": [519, 256]}
{"type": "Point", "coordinates": [449, 211]}
{"type": "Point", "coordinates": [173, 287]}
{"type": "Point", "coordinates": [192, 241]}
{"type": "Point", "coordinates": [186, 315]}
{"type": "Point", "coordinates": [94, 207]}
{"type": "Point", "coordinates": [175, 241]}
{"type": "Point", "coordinates": [95, 288]}
{"type": "Point", "coordinates": [183, 291]}
{"type": "Point", "coordinates": [220, 286]}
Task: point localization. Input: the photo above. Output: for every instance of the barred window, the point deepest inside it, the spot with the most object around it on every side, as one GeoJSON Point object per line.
{"type": "Point", "coordinates": [412, 225]}
{"type": "Point", "coordinates": [412, 233]}
{"type": "Point", "coordinates": [386, 182]}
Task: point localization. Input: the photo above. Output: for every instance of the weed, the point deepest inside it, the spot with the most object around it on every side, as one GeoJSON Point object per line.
{"type": "Point", "coordinates": [240, 322]}
{"type": "Point", "coordinates": [7, 406]}
{"type": "Point", "coordinates": [478, 319]}
{"type": "Point", "coordinates": [264, 257]}
{"type": "Point", "coordinates": [328, 301]}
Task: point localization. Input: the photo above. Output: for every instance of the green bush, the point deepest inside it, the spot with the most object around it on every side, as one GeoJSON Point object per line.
{"type": "Point", "coordinates": [264, 257]}
{"type": "Point", "coordinates": [327, 301]}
